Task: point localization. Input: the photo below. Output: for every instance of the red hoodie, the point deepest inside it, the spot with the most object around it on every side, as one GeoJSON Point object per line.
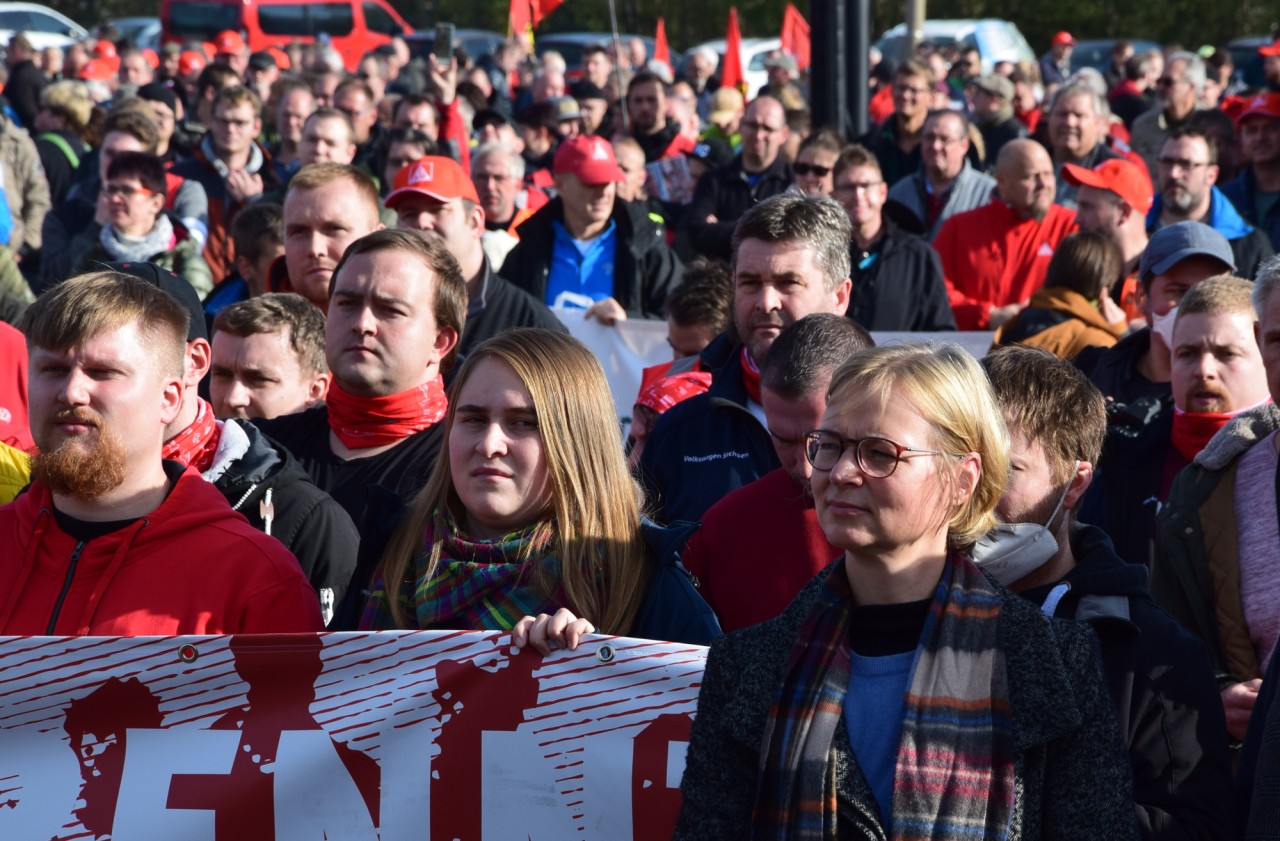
{"type": "Point", "coordinates": [192, 566]}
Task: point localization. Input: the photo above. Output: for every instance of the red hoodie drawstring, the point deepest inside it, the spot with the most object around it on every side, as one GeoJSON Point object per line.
{"type": "Point", "coordinates": [104, 581]}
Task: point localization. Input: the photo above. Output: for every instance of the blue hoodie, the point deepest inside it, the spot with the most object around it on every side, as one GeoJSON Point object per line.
{"type": "Point", "coordinates": [1223, 216]}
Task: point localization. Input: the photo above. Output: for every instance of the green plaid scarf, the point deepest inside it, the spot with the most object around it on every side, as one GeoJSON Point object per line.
{"type": "Point", "coordinates": [954, 776]}
{"type": "Point", "coordinates": [479, 585]}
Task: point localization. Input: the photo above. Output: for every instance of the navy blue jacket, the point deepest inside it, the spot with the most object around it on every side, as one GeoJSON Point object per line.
{"type": "Point", "coordinates": [673, 609]}
{"type": "Point", "coordinates": [707, 446]}
{"type": "Point", "coordinates": [1242, 193]}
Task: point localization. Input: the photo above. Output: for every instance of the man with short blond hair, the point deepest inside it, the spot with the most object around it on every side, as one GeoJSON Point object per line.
{"type": "Point", "coordinates": [136, 545]}
{"type": "Point", "coordinates": [327, 207]}
{"type": "Point", "coordinates": [327, 138]}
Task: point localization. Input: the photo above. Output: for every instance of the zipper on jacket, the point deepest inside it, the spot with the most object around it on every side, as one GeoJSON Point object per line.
{"type": "Point", "coordinates": [66, 586]}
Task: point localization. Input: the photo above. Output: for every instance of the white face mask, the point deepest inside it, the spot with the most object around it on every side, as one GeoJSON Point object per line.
{"type": "Point", "coordinates": [1012, 551]}
{"type": "Point", "coordinates": [1162, 325]}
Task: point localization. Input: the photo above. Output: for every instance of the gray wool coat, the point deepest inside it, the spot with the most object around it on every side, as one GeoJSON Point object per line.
{"type": "Point", "coordinates": [1073, 779]}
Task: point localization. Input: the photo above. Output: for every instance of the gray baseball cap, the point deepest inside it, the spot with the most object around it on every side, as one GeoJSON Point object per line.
{"type": "Point", "coordinates": [1172, 244]}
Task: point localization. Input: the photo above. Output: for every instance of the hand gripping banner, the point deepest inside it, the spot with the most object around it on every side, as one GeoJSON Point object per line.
{"type": "Point", "coordinates": [398, 736]}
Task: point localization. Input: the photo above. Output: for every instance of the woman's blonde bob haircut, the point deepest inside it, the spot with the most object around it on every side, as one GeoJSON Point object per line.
{"type": "Point", "coordinates": [595, 503]}
{"type": "Point", "coordinates": [950, 391]}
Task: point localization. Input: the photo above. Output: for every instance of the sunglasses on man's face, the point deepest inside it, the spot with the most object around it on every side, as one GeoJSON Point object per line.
{"type": "Point", "coordinates": [811, 169]}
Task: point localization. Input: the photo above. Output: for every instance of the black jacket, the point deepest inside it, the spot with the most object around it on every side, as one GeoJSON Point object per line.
{"type": "Point", "coordinates": [995, 136]}
{"type": "Point", "coordinates": [505, 307]}
{"type": "Point", "coordinates": [1165, 694]}
{"type": "Point", "coordinates": [645, 269]}
{"type": "Point", "coordinates": [901, 288]}
{"type": "Point", "coordinates": [1072, 780]}
{"type": "Point", "coordinates": [307, 520]}
{"type": "Point", "coordinates": [58, 167]}
{"type": "Point", "coordinates": [706, 446]}
{"type": "Point", "coordinates": [727, 194]}
{"type": "Point", "coordinates": [895, 164]}
{"type": "Point", "coordinates": [1123, 498]}
{"type": "Point", "coordinates": [673, 610]}
{"type": "Point", "coordinates": [26, 81]}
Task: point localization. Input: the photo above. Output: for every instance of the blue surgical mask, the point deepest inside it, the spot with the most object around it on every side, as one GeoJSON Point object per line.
{"type": "Point", "coordinates": [1012, 551]}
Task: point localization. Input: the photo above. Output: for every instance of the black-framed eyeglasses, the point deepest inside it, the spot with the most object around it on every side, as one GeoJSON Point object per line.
{"type": "Point", "coordinates": [1180, 163]}
{"type": "Point", "coordinates": [876, 457]}
{"type": "Point", "coordinates": [811, 169]}
{"type": "Point", "coordinates": [125, 191]}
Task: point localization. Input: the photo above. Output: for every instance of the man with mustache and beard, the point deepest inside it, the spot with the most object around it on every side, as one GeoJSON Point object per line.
{"type": "Point", "coordinates": [1219, 523]}
{"type": "Point", "coordinates": [791, 259]}
{"type": "Point", "coordinates": [434, 195]}
{"type": "Point", "coordinates": [996, 256]}
{"type": "Point", "coordinates": [750, 575]}
{"type": "Point", "coordinates": [111, 539]}
{"type": "Point", "coordinates": [1187, 171]}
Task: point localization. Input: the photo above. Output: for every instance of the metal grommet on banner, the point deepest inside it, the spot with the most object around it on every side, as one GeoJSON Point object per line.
{"type": "Point", "coordinates": [187, 653]}
{"type": "Point", "coordinates": [606, 654]}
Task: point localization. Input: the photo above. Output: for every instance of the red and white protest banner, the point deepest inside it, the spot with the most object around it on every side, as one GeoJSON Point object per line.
{"type": "Point", "coordinates": [392, 736]}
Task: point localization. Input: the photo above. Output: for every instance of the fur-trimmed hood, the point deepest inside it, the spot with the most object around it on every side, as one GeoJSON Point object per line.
{"type": "Point", "coordinates": [1240, 433]}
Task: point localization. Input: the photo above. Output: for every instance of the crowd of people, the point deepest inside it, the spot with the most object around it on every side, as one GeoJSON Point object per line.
{"type": "Point", "coordinates": [283, 349]}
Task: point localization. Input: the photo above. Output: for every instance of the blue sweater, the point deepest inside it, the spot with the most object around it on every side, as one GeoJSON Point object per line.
{"type": "Point", "coordinates": [873, 711]}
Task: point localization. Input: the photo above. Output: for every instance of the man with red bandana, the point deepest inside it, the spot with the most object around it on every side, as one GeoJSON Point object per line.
{"type": "Point", "coordinates": [791, 259]}
{"type": "Point", "coordinates": [112, 539]}
{"type": "Point", "coordinates": [397, 305]}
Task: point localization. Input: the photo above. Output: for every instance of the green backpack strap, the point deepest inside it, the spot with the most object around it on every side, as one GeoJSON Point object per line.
{"type": "Point", "coordinates": [61, 142]}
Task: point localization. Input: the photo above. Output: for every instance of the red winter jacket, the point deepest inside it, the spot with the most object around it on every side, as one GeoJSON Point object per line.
{"type": "Point", "coordinates": [992, 257]}
{"type": "Point", "coordinates": [191, 566]}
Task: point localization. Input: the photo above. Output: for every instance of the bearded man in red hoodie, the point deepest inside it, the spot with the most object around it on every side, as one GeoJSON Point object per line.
{"type": "Point", "coordinates": [110, 539]}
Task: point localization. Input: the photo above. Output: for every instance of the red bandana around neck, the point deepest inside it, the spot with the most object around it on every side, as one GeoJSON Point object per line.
{"type": "Point", "coordinates": [1192, 430]}
{"type": "Point", "coordinates": [196, 445]}
{"type": "Point", "coordinates": [750, 375]}
{"type": "Point", "coordinates": [363, 422]}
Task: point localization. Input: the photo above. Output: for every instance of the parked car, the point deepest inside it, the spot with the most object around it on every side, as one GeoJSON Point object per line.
{"type": "Point", "coordinates": [1097, 53]}
{"type": "Point", "coordinates": [995, 40]}
{"type": "Point", "coordinates": [477, 42]}
{"type": "Point", "coordinates": [353, 27]}
{"type": "Point", "coordinates": [572, 44]}
{"type": "Point", "coordinates": [754, 52]}
{"type": "Point", "coordinates": [143, 32]}
{"type": "Point", "coordinates": [44, 27]}
{"type": "Point", "coordinates": [1244, 55]}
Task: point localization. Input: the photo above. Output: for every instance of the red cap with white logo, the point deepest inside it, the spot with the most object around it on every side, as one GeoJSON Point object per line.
{"type": "Point", "coordinates": [589, 159]}
{"type": "Point", "coordinates": [434, 176]}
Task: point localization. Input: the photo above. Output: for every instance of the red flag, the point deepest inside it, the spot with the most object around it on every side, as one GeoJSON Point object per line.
{"type": "Point", "coordinates": [731, 68]}
{"type": "Point", "coordinates": [661, 52]}
{"type": "Point", "coordinates": [519, 18]}
{"type": "Point", "coordinates": [542, 8]}
{"type": "Point", "coordinates": [795, 36]}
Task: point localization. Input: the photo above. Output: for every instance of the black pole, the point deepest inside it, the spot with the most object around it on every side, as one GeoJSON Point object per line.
{"type": "Point", "coordinates": [858, 37]}
{"type": "Point", "coordinates": [828, 74]}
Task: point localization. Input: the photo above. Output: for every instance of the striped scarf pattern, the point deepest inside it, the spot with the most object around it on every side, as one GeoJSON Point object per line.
{"type": "Point", "coordinates": [954, 775]}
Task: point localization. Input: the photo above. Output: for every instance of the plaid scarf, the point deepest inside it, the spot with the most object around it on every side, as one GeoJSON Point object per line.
{"type": "Point", "coordinates": [477, 584]}
{"type": "Point", "coordinates": [954, 775]}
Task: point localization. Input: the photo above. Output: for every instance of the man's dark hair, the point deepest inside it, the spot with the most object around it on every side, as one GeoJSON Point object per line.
{"type": "Point", "coordinates": [802, 359]}
{"type": "Point", "coordinates": [646, 77]}
{"type": "Point", "coordinates": [591, 49]}
{"type": "Point", "coordinates": [704, 296]}
{"type": "Point", "coordinates": [280, 311]}
{"type": "Point", "coordinates": [818, 222]}
{"type": "Point", "coordinates": [134, 123]}
{"type": "Point", "coordinates": [144, 166]}
{"type": "Point", "coordinates": [1049, 401]}
{"type": "Point", "coordinates": [358, 84]}
{"type": "Point", "coordinates": [1196, 132]}
{"type": "Point", "coordinates": [954, 113]}
{"type": "Point", "coordinates": [215, 77]}
{"type": "Point", "coordinates": [255, 226]}
{"type": "Point", "coordinates": [408, 134]}
{"type": "Point", "coordinates": [412, 100]}
{"type": "Point", "coordinates": [449, 303]}
{"type": "Point", "coordinates": [798, 120]}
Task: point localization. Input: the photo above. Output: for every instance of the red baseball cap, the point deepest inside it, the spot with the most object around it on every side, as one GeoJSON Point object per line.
{"type": "Point", "coordinates": [191, 61]}
{"type": "Point", "coordinates": [589, 159]}
{"type": "Point", "coordinates": [1118, 175]}
{"type": "Point", "coordinates": [1272, 49]}
{"type": "Point", "coordinates": [229, 41]}
{"type": "Point", "coordinates": [1263, 104]}
{"type": "Point", "coordinates": [281, 57]}
{"type": "Point", "coordinates": [434, 176]}
{"type": "Point", "coordinates": [97, 70]}
{"type": "Point", "coordinates": [1063, 38]}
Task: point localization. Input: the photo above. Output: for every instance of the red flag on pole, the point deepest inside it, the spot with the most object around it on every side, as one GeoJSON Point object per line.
{"type": "Point", "coordinates": [795, 36]}
{"type": "Point", "coordinates": [542, 8]}
{"type": "Point", "coordinates": [661, 52]}
{"type": "Point", "coordinates": [731, 68]}
{"type": "Point", "coordinates": [520, 19]}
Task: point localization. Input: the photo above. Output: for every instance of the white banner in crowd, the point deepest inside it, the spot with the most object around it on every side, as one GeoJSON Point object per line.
{"type": "Point", "coordinates": [398, 736]}
{"type": "Point", "coordinates": [630, 346]}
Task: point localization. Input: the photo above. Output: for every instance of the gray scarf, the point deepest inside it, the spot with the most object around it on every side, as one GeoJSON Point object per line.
{"type": "Point", "coordinates": [123, 248]}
